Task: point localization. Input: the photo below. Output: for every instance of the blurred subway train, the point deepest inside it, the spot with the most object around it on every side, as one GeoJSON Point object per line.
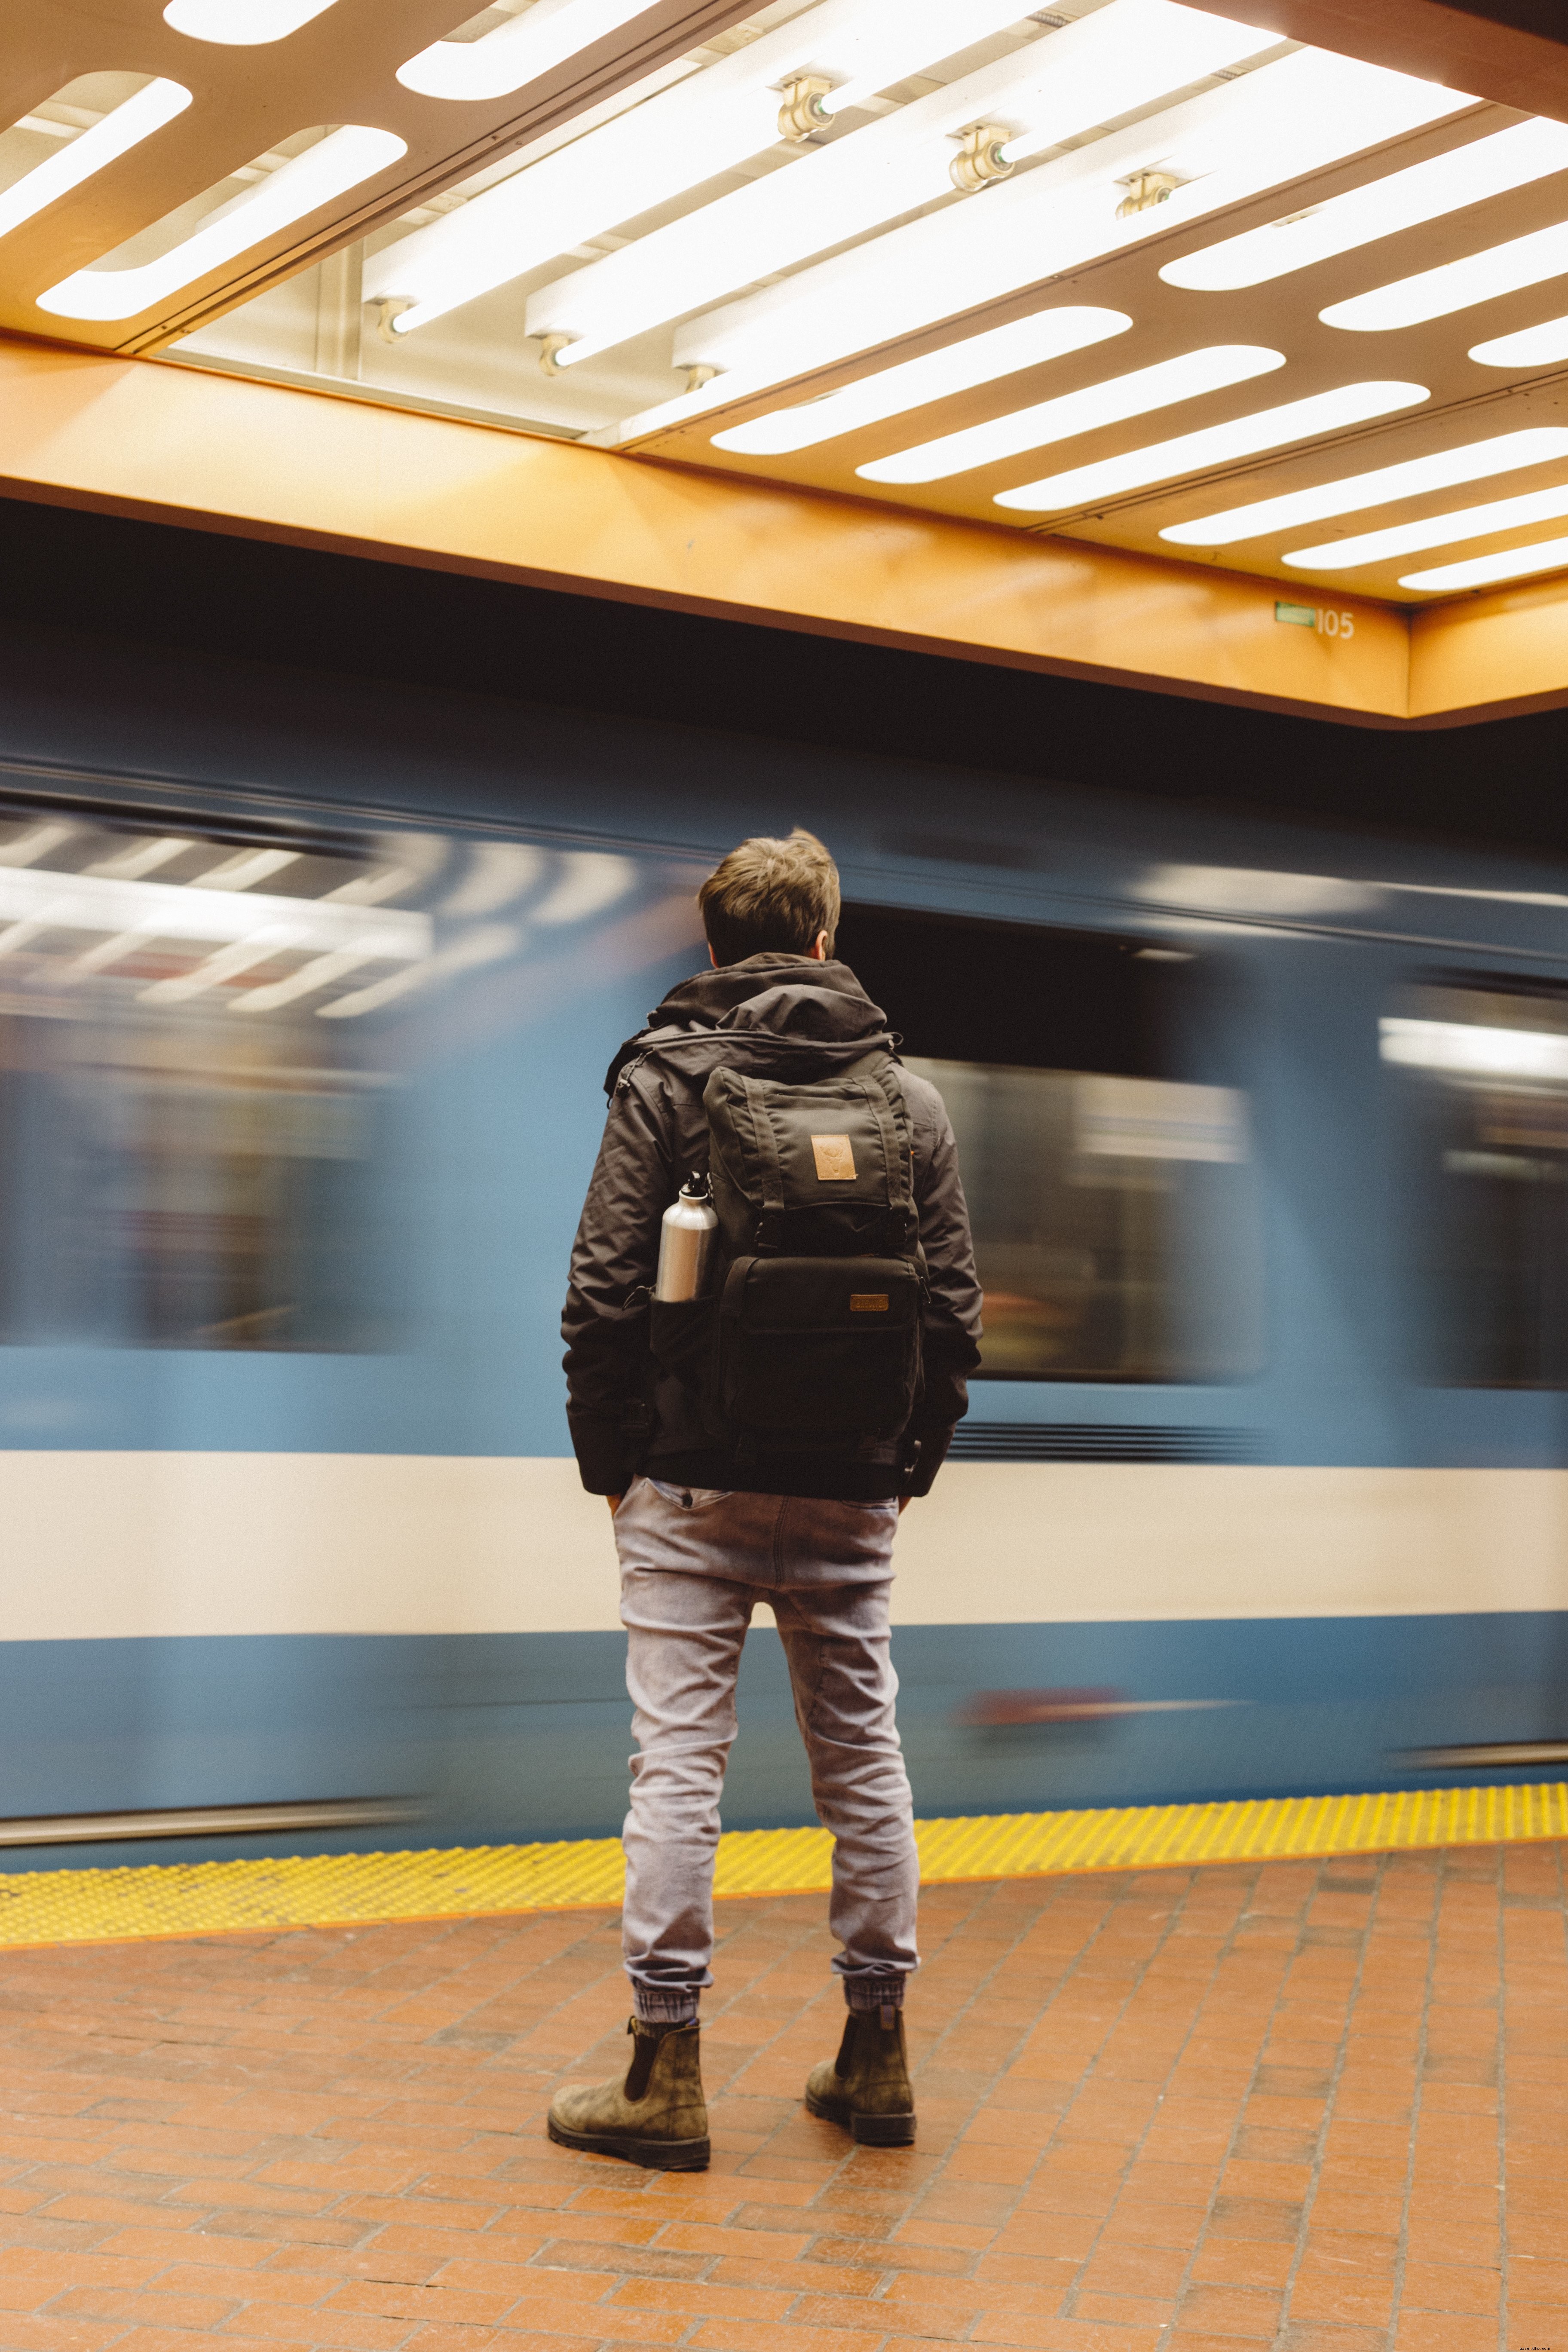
{"type": "Point", "coordinates": [304, 1012]}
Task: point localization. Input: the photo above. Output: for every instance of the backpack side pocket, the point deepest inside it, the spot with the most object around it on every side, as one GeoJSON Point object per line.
{"type": "Point", "coordinates": [680, 1336]}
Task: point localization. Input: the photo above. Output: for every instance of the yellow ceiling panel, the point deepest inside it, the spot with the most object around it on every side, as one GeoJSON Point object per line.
{"type": "Point", "coordinates": [806, 241]}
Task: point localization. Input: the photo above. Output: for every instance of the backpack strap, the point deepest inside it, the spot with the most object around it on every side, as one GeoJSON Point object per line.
{"type": "Point", "coordinates": [891, 1114]}
{"type": "Point", "coordinates": [765, 1144]}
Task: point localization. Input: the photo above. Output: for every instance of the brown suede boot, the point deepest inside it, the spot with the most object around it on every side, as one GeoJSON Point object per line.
{"type": "Point", "coordinates": [656, 2115]}
{"type": "Point", "coordinates": [866, 2087]}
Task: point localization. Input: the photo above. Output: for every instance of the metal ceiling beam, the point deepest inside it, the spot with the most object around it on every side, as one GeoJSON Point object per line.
{"type": "Point", "coordinates": [171, 444]}
{"type": "Point", "coordinates": [1515, 51]}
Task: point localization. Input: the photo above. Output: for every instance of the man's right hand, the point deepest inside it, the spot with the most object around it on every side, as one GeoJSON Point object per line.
{"type": "Point", "coordinates": [615, 1503]}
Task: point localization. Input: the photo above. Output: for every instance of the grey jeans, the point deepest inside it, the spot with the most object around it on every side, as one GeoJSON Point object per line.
{"type": "Point", "coordinates": [693, 1565]}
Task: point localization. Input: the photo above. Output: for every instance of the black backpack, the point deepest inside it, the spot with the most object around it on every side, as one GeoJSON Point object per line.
{"type": "Point", "coordinates": [808, 1339]}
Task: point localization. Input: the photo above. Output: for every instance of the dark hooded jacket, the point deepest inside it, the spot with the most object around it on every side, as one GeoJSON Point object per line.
{"type": "Point", "coordinates": [776, 1016]}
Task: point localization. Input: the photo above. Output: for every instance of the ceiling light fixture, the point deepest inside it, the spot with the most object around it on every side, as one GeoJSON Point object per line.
{"type": "Point", "coordinates": [1160, 48]}
{"type": "Point", "coordinates": [706, 125]}
{"type": "Point", "coordinates": [515, 54]}
{"type": "Point", "coordinates": [1455, 285]}
{"type": "Point", "coordinates": [1160, 386]}
{"type": "Point", "coordinates": [336, 163]}
{"type": "Point", "coordinates": [320, 972]}
{"type": "Point", "coordinates": [1447, 183]}
{"type": "Point", "coordinates": [486, 944]}
{"type": "Point", "coordinates": [1470, 1050]}
{"type": "Point", "coordinates": [1125, 56]}
{"type": "Point", "coordinates": [1413, 478]}
{"type": "Point", "coordinates": [124, 127]}
{"type": "Point", "coordinates": [979, 359]}
{"type": "Point", "coordinates": [1438, 531]}
{"type": "Point", "coordinates": [1485, 570]}
{"type": "Point", "coordinates": [242, 24]}
{"type": "Point", "coordinates": [1287, 118]}
{"type": "Point", "coordinates": [1532, 347]}
{"type": "Point", "coordinates": [1216, 445]}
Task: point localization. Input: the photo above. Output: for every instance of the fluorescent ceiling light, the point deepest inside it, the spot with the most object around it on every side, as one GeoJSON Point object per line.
{"type": "Point", "coordinates": [1482, 570]}
{"type": "Point", "coordinates": [296, 188]}
{"type": "Point", "coordinates": [512, 55]}
{"type": "Point", "coordinates": [143, 858]}
{"type": "Point", "coordinates": [1504, 452]}
{"type": "Point", "coordinates": [706, 125]}
{"type": "Point", "coordinates": [1161, 48]}
{"type": "Point", "coordinates": [1438, 531]}
{"type": "Point", "coordinates": [1124, 55]}
{"type": "Point", "coordinates": [1469, 1050]}
{"type": "Point", "coordinates": [875, 54]}
{"type": "Point", "coordinates": [1216, 445]}
{"type": "Point", "coordinates": [1160, 386]}
{"type": "Point", "coordinates": [1456, 285]}
{"type": "Point", "coordinates": [174, 910]}
{"type": "Point", "coordinates": [320, 972]}
{"type": "Point", "coordinates": [1287, 119]}
{"type": "Point", "coordinates": [487, 944]}
{"type": "Point", "coordinates": [123, 128]}
{"type": "Point", "coordinates": [1447, 183]}
{"type": "Point", "coordinates": [979, 359]}
{"type": "Point", "coordinates": [35, 842]}
{"type": "Point", "coordinates": [242, 24]}
{"type": "Point", "coordinates": [1532, 347]}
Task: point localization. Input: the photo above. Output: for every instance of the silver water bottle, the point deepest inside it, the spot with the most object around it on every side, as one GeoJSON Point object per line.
{"type": "Point", "coordinates": [685, 1243]}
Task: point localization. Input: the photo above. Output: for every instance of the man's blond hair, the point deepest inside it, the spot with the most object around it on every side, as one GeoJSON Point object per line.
{"type": "Point", "coordinates": [772, 895]}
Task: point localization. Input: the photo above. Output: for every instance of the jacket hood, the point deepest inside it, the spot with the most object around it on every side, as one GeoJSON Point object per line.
{"type": "Point", "coordinates": [769, 1005]}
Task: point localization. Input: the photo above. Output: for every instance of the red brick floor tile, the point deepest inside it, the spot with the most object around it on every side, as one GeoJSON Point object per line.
{"type": "Point", "coordinates": [1242, 2262]}
{"type": "Point", "coordinates": [1431, 2331]}
{"type": "Point", "coordinates": [1451, 2286]}
{"type": "Point", "coordinates": [1212, 2310]}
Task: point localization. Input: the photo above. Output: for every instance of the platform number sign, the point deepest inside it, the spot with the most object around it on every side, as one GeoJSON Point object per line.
{"type": "Point", "coordinates": [1328, 623]}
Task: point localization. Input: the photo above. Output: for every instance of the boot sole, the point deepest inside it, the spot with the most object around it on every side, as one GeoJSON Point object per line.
{"type": "Point", "coordinates": [871, 2131]}
{"type": "Point", "coordinates": [658, 2155]}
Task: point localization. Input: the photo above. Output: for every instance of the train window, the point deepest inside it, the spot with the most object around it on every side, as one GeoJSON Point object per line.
{"type": "Point", "coordinates": [214, 1042]}
{"type": "Point", "coordinates": [1483, 1065]}
{"type": "Point", "coordinates": [1110, 1192]}
{"type": "Point", "coordinates": [174, 1176]}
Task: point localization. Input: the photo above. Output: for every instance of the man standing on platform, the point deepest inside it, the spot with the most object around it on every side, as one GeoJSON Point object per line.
{"type": "Point", "coordinates": [759, 1443]}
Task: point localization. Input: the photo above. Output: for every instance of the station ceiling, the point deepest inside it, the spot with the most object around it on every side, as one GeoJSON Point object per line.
{"type": "Point", "coordinates": [1281, 287]}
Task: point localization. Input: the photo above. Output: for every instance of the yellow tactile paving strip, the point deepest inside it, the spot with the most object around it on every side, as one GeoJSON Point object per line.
{"type": "Point", "coordinates": [78, 1906]}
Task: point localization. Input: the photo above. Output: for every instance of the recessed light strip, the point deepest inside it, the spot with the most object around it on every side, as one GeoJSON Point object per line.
{"type": "Point", "coordinates": [1126, 55]}
{"type": "Point", "coordinates": [1071, 413]}
{"type": "Point", "coordinates": [1217, 445]}
{"type": "Point", "coordinates": [1487, 571]}
{"type": "Point", "coordinates": [1445, 183]}
{"type": "Point", "coordinates": [124, 127]}
{"type": "Point", "coordinates": [336, 163]}
{"type": "Point", "coordinates": [1438, 531]}
{"type": "Point", "coordinates": [936, 375]}
{"type": "Point", "coordinates": [1532, 347]}
{"type": "Point", "coordinates": [242, 24]}
{"type": "Point", "coordinates": [1275, 124]}
{"type": "Point", "coordinates": [706, 125]}
{"type": "Point", "coordinates": [1455, 285]}
{"type": "Point", "coordinates": [1503, 453]}
{"type": "Point", "coordinates": [512, 55]}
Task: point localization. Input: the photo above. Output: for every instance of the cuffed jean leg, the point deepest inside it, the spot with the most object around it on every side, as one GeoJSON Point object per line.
{"type": "Point", "coordinates": [684, 1638]}
{"type": "Point", "coordinates": [838, 1646]}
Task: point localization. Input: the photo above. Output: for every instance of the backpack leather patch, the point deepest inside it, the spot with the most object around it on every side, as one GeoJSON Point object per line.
{"type": "Point", "coordinates": [835, 1158]}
